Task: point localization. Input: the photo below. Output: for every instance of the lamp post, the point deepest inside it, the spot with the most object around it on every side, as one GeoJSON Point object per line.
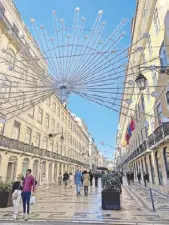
{"type": "Point", "coordinates": [55, 134]}
{"type": "Point", "coordinates": [141, 82]}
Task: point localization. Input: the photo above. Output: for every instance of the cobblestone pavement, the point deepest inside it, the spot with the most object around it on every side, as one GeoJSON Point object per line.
{"type": "Point", "coordinates": [60, 204]}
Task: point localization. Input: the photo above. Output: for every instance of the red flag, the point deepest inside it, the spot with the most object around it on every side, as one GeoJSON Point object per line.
{"type": "Point", "coordinates": [132, 124]}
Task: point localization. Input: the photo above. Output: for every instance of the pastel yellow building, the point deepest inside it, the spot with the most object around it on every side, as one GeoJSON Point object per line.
{"type": "Point", "coordinates": [147, 150]}
{"type": "Point", "coordinates": [47, 138]}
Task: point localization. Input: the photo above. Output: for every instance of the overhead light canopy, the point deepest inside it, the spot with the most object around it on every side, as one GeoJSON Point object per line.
{"type": "Point", "coordinates": [141, 81]}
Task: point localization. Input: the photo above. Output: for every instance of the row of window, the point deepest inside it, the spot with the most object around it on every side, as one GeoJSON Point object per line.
{"type": "Point", "coordinates": [47, 144]}
{"type": "Point", "coordinates": [47, 119]}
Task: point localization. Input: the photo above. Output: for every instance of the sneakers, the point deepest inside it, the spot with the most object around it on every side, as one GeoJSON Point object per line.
{"type": "Point", "coordinates": [14, 217]}
{"type": "Point", "coordinates": [25, 216]}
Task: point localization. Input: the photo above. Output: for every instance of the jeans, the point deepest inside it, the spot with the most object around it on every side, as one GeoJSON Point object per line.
{"type": "Point", "coordinates": [26, 195]}
{"type": "Point", "coordinates": [86, 190]}
{"type": "Point", "coordinates": [78, 187]}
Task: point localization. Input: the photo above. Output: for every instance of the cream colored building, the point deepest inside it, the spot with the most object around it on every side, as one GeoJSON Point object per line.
{"type": "Point", "coordinates": [24, 139]}
{"type": "Point", "coordinates": [148, 148]}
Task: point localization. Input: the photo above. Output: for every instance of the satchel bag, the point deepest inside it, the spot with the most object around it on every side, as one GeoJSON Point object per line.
{"type": "Point", "coordinates": [15, 195]}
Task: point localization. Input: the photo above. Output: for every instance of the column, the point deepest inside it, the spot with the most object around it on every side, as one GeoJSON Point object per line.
{"type": "Point", "coordinates": [4, 166]}
{"type": "Point", "coordinates": [155, 169]}
{"type": "Point", "coordinates": [47, 171]}
{"type": "Point", "coordinates": [19, 165]}
{"type": "Point", "coordinates": [62, 172]}
{"type": "Point", "coordinates": [53, 172]}
{"type": "Point", "coordinates": [31, 161]}
{"type": "Point", "coordinates": [58, 166]}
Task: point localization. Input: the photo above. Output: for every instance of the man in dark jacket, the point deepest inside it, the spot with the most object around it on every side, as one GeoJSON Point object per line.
{"type": "Point", "coordinates": [91, 178]}
{"type": "Point", "coordinates": [96, 177]}
{"type": "Point", "coordinates": [65, 178]}
{"type": "Point", "coordinates": [139, 177]}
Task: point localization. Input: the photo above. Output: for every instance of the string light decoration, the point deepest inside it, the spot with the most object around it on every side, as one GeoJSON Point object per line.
{"type": "Point", "coordinates": [67, 61]}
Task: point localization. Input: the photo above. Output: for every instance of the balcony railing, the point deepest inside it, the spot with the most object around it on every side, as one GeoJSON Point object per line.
{"type": "Point", "coordinates": [153, 140]}
{"type": "Point", "coordinates": [27, 148]}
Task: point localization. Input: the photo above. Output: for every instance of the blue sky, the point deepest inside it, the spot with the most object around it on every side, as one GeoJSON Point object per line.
{"type": "Point", "coordinates": [102, 123]}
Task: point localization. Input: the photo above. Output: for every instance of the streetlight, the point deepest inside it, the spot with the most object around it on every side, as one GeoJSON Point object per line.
{"type": "Point", "coordinates": [141, 81]}
{"type": "Point", "coordinates": [55, 134]}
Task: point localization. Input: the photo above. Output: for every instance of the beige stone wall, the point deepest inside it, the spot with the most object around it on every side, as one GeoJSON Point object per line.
{"type": "Point", "coordinates": [13, 161]}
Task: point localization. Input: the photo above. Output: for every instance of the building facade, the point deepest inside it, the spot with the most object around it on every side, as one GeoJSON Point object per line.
{"type": "Point", "coordinates": [32, 139]}
{"type": "Point", "coordinates": [145, 146]}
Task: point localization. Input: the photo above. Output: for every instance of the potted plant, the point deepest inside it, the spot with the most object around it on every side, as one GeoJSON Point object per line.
{"type": "Point", "coordinates": [5, 194]}
{"type": "Point", "coordinates": [111, 185]}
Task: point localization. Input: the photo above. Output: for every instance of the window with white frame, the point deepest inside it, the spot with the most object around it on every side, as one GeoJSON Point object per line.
{"type": "Point", "coordinates": [148, 92]}
{"type": "Point", "coordinates": [16, 130]}
{"type": "Point", "coordinates": [31, 112]}
{"type": "Point", "coordinates": [45, 143]}
{"type": "Point", "coordinates": [54, 107]}
{"type": "Point", "coordinates": [40, 115]}
{"type": "Point", "coordinates": [149, 45]}
{"type": "Point", "coordinates": [28, 135]}
{"type": "Point", "coordinates": [56, 147]}
{"type": "Point", "coordinates": [37, 140]}
{"type": "Point", "coordinates": [58, 111]}
{"type": "Point", "coordinates": [156, 21]}
{"type": "Point", "coordinates": [143, 103]}
{"type": "Point", "coordinates": [155, 78]}
{"type": "Point", "coordinates": [159, 112]}
{"type": "Point", "coordinates": [53, 125]}
{"type": "Point", "coordinates": [58, 128]}
{"type": "Point", "coordinates": [51, 145]}
{"type": "Point", "coordinates": [48, 101]}
{"type": "Point", "coordinates": [47, 120]}
{"type": "Point", "coordinates": [163, 56]}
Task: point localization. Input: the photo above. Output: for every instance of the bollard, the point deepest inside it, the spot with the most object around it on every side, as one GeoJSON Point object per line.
{"type": "Point", "coordinates": [152, 200]}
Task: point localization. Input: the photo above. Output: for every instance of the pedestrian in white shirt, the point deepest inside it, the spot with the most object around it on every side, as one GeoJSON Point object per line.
{"type": "Point", "coordinates": [71, 179]}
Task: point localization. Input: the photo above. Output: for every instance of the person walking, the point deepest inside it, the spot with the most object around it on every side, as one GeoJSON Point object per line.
{"type": "Point", "coordinates": [139, 177]}
{"type": "Point", "coordinates": [71, 179]}
{"type": "Point", "coordinates": [132, 176]}
{"type": "Point", "coordinates": [78, 177]}
{"type": "Point", "coordinates": [16, 195]}
{"type": "Point", "coordinates": [91, 177]}
{"type": "Point", "coordinates": [28, 187]}
{"type": "Point", "coordinates": [86, 179]}
{"type": "Point", "coordinates": [65, 178]}
{"type": "Point", "coordinates": [60, 179]}
{"type": "Point", "coordinates": [146, 178]}
{"type": "Point", "coordinates": [96, 177]}
{"type": "Point", "coordinates": [128, 178]}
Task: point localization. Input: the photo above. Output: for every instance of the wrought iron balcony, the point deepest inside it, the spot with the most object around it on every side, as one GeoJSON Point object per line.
{"type": "Point", "coordinates": [27, 148]}
{"type": "Point", "coordinates": [153, 141]}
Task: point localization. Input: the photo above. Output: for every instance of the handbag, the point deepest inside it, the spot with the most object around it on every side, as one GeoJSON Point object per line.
{"type": "Point", "coordinates": [15, 193]}
{"type": "Point", "coordinates": [32, 200]}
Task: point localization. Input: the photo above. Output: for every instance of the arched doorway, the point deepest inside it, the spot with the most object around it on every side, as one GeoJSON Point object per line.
{"type": "Point", "coordinates": [25, 165]}
{"type": "Point", "coordinates": [43, 175]}
{"type": "Point", "coordinates": [159, 168]}
{"type": "Point", "coordinates": [152, 168]}
{"type": "Point", "coordinates": [11, 169]}
{"type": "Point", "coordinates": [35, 169]}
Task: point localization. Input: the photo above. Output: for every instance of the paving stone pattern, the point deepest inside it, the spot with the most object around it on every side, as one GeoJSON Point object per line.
{"type": "Point", "coordinates": [60, 205]}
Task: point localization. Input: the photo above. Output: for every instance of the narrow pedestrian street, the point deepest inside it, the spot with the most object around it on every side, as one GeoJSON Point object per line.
{"type": "Point", "coordinates": [60, 204]}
